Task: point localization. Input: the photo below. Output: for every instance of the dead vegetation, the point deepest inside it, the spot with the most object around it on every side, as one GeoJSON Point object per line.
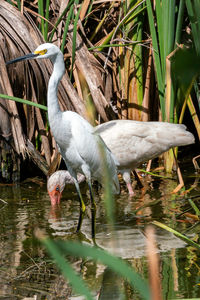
{"type": "Point", "coordinates": [119, 83]}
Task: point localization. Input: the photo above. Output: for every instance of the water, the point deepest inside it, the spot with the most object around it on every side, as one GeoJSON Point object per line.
{"type": "Point", "coordinates": [27, 272]}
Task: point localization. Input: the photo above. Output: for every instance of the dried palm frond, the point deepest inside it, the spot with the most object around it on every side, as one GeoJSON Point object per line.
{"type": "Point", "coordinates": [18, 36]}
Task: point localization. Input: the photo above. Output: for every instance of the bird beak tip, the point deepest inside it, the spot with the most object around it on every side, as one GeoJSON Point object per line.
{"type": "Point", "coordinates": [24, 57]}
{"type": "Point", "coordinates": [55, 199]}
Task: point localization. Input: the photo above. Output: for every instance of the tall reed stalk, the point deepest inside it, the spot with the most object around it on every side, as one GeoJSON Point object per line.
{"type": "Point", "coordinates": [166, 24]}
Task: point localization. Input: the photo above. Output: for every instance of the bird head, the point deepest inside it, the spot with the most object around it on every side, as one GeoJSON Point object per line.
{"type": "Point", "coordinates": [55, 187]}
{"type": "Point", "coordinates": [46, 50]}
{"type": "Point", "coordinates": [56, 184]}
{"type": "Point", "coordinates": [55, 195]}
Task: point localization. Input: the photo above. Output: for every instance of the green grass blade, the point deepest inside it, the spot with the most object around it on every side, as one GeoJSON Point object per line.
{"type": "Point", "coordinates": [41, 13]}
{"type": "Point", "coordinates": [75, 280]}
{"type": "Point", "coordinates": [159, 18]}
{"type": "Point", "coordinates": [136, 35]}
{"type": "Point", "coordinates": [178, 234]}
{"type": "Point", "coordinates": [74, 39]}
{"type": "Point", "coordinates": [19, 5]}
{"type": "Point", "coordinates": [122, 22]}
{"type": "Point", "coordinates": [197, 211]}
{"type": "Point", "coordinates": [116, 264]}
{"type": "Point", "coordinates": [100, 24]}
{"type": "Point", "coordinates": [167, 23]}
{"type": "Point", "coordinates": [135, 14]}
{"type": "Point", "coordinates": [165, 18]}
{"type": "Point", "coordinates": [100, 47]}
{"type": "Point", "coordinates": [156, 59]}
{"type": "Point", "coordinates": [60, 19]}
{"type": "Point", "coordinates": [23, 101]}
{"type": "Point", "coordinates": [69, 16]}
{"type": "Point", "coordinates": [193, 8]}
{"type": "Point", "coordinates": [171, 26]}
{"type": "Point", "coordinates": [179, 25]}
{"type": "Point", "coordinates": [132, 13]}
{"type": "Point", "coordinates": [155, 175]}
{"type": "Point", "coordinates": [88, 12]}
{"type": "Point", "coordinates": [10, 2]}
{"type": "Point", "coordinates": [185, 74]}
{"type": "Point", "coordinates": [47, 18]}
{"type": "Point", "coordinates": [170, 34]}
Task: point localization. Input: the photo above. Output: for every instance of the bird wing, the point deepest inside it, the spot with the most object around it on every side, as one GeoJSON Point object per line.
{"type": "Point", "coordinates": [126, 128]}
{"type": "Point", "coordinates": [85, 137]}
{"type": "Point", "coordinates": [152, 131]}
{"type": "Point", "coordinates": [133, 142]}
{"type": "Point", "coordinates": [102, 142]}
{"type": "Point", "coordinates": [87, 145]}
{"type": "Point", "coordinates": [103, 127]}
{"type": "Point", "coordinates": [84, 144]}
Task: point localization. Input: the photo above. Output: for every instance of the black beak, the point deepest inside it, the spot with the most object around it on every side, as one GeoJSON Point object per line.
{"type": "Point", "coordinates": [25, 57]}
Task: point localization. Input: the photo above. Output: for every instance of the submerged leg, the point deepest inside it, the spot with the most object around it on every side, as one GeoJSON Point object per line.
{"type": "Point", "coordinates": [82, 206]}
{"type": "Point", "coordinates": [93, 210]}
{"type": "Point", "coordinates": [87, 173]}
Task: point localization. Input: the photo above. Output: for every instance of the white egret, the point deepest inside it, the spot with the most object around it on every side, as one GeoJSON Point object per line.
{"type": "Point", "coordinates": [78, 145]}
{"type": "Point", "coordinates": [134, 142]}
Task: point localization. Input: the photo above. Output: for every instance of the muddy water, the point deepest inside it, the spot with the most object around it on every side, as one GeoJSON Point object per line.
{"type": "Point", "coordinates": [27, 272]}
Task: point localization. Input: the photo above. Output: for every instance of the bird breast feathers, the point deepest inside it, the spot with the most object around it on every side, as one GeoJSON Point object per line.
{"type": "Point", "coordinates": [83, 139]}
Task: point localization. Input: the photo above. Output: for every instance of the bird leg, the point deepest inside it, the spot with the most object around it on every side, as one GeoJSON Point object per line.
{"type": "Point", "coordinates": [130, 189]}
{"type": "Point", "coordinates": [86, 172]}
{"type": "Point", "coordinates": [93, 210]}
{"type": "Point", "coordinates": [82, 206]}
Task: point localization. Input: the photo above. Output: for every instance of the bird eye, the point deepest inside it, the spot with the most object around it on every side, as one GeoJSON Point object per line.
{"type": "Point", "coordinates": [57, 189]}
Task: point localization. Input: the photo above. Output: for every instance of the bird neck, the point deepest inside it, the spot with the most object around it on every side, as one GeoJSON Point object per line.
{"type": "Point", "coordinates": [58, 72]}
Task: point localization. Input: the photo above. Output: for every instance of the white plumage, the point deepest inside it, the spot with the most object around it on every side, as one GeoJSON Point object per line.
{"type": "Point", "coordinates": [132, 142]}
{"type": "Point", "coordinates": [80, 150]}
{"type": "Point", "coordinates": [135, 142]}
{"type": "Point", "coordinates": [78, 145]}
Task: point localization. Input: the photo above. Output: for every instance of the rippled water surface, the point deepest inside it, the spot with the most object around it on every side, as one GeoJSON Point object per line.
{"type": "Point", "coordinates": [27, 272]}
